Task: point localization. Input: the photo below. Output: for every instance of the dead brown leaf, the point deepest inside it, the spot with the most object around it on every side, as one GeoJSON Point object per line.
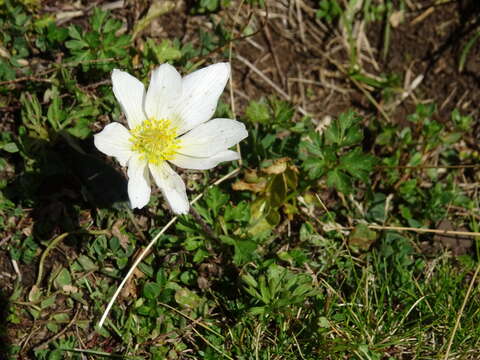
{"type": "Point", "coordinates": [122, 237]}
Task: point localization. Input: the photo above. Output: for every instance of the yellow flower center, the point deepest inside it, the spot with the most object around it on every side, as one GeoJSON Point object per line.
{"type": "Point", "coordinates": [155, 140]}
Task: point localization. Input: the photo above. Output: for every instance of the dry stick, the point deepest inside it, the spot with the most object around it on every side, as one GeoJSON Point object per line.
{"type": "Point", "coordinates": [149, 246]}
{"type": "Point", "coordinates": [63, 331]}
{"type": "Point", "coordinates": [44, 256]}
{"type": "Point", "coordinates": [402, 228]}
{"type": "Point", "coordinates": [232, 98]}
{"type": "Point", "coordinates": [196, 321]}
{"type": "Point", "coordinates": [45, 72]}
{"type": "Point", "coordinates": [460, 312]}
{"type": "Point", "coordinates": [421, 230]}
{"type": "Point", "coordinates": [270, 82]}
{"type": "Point", "coordinates": [466, 166]}
{"type": "Point", "coordinates": [53, 244]}
{"type": "Point", "coordinates": [361, 88]}
{"type": "Point", "coordinates": [274, 56]}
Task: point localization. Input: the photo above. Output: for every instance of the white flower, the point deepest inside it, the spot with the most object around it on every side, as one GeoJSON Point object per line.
{"type": "Point", "coordinates": [169, 123]}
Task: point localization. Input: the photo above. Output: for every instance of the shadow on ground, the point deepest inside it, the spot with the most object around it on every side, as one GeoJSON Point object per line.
{"type": "Point", "coordinates": [4, 340]}
{"type": "Point", "coordinates": [64, 180]}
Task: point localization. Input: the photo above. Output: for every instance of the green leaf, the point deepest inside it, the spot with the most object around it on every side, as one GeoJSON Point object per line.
{"type": "Point", "coordinates": [357, 164]}
{"type": "Point", "coordinates": [341, 181]}
{"type": "Point", "coordinates": [344, 130]}
{"type": "Point", "coordinates": [86, 263]}
{"type": "Point", "coordinates": [151, 290]}
{"type": "Point", "coordinates": [81, 129]}
{"type": "Point", "coordinates": [111, 25]}
{"type": "Point", "coordinates": [166, 51]}
{"type": "Point", "coordinates": [63, 278]}
{"type": "Point", "coordinates": [74, 32]}
{"type": "Point", "coordinates": [215, 199]}
{"type": "Point", "coordinates": [245, 251]}
{"type": "Point", "coordinates": [258, 112]}
{"type": "Point", "coordinates": [361, 238]}
{"type": "Point", "coordinates": [76, 44]}
{"type": "Point", "coordinates": [10, 147]}
{"type": "Point", "coordinates": [237, 213]}
{"type": "Point", "coordinates": [97, 19]}
{"type": "Point", "coordinates": [187, 298]}
{"type": "Point", "coordinates": [200, 255]}
{"type": "Point", "coordinates": [192, 244]}
{"type": "Point", "coordinates": [277, 190]}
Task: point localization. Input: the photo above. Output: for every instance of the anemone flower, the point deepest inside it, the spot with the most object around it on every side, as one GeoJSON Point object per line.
{"type": "Point", "coordinates": [169, 123]}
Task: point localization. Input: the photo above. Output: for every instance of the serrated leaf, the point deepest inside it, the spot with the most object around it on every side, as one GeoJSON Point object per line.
{"type": "Point", "coordinates": [244, 251]}
{"type": "Point", "coordinates": [344, 130]}
{"type": "Point", "coordinates": [76, 44]}
{"type": "Point", "coordinates": [357, 164]}
{"type": "Point", "coordinates": [166, 51]}
{"type": "Point", "coordinates": [339, 180]}
{"type": "Point", "coordinates": [111, 25]}
{"type": "Point", "coordinates": [215, 199]}
{"type": "Point", "coordinates": [97, 19]}
{"type": "Point", "coordinates": [258, 112]}
{"type": "Point", "coordinates": [74, 32]}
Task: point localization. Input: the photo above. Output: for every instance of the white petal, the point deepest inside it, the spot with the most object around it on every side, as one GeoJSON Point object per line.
{"type": "Point", "coordinates": [113, 140]}
{"type": "Point", "coordinates": [195, 163]}
{"type": "Point", "coordinates": [163, 92]}
{"type": "Point", "coordinates": [138, 182]}
{"type": "Point", "coordinates": [130, 93]}
{"type": "Point", "coordinates": [172, 187]}
{"type": "Point", "coordinates": [200, 94]}
{"type": "Point", "coordinates": [212, 137]}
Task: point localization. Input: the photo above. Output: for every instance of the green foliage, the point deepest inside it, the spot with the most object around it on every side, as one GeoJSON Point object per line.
{"type": "Point", "coordinates": [100, 43]}
{"type": "Point", "coordinates": [208, 6]}
{"type": "Point", "coordinates": [15, 23]}
{"type": "Point", "coordinates": [271, 118]}
{"type": "Point", "coordinates": [166, 51]}
{"type": "Point", "coordinates": [466, 50]}
{"type": "Point", "coordinates": [275, 289]}
{"type": "Point", "coordinates": [330, 154]}
{"type": "Point", "coordinates": [329, 10]}
{"type": "Point", "coordinates": [271, 264]}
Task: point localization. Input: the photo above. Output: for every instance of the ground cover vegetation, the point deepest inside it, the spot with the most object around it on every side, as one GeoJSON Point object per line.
{"type": "Point", "coordinates": [349, 229]}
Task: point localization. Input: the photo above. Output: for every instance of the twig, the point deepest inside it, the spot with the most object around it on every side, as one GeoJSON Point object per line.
{"type": "Point", "coordinates": [271, 83]}
{"type": "Point", "coordinates": [44, 256]}
{"type": "Point", "coordinates": [149, 246]}
{"type": "Point", "coordinates": [231, 81]}
{"type": "Point", "coordinates": [466, 166]}
{"type": "Point", "coordinates": [206, 228]}
{"type": "Point", "coordinates": [197, 332]}
{"type": "Point", "coordinates": [280, 73]}
{"type": "Point", "coordinates": [54, 243]}
{"type": "Point", "coordinates": [17, 269]}
{"type": "Point", "coordinates": [59, 66]}
{"type": "Point", "coordinates": [421, 230]}
{"type": "Point", "coordinates": [362, 89]}
{"type": "Point", "coordinates": [133, 267]}
{"type": "Point", "coordinates": [460, 312]}
{"type": "Point", "coordinates": [56, 336]}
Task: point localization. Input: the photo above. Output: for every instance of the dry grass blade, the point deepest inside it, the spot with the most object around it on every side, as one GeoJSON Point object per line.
{"type": "Point", "coordinates": [149, 246]}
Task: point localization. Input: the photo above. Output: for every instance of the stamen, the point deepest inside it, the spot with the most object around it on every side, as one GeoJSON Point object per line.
{"type": "Point", "coordinates": [155, 140]}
